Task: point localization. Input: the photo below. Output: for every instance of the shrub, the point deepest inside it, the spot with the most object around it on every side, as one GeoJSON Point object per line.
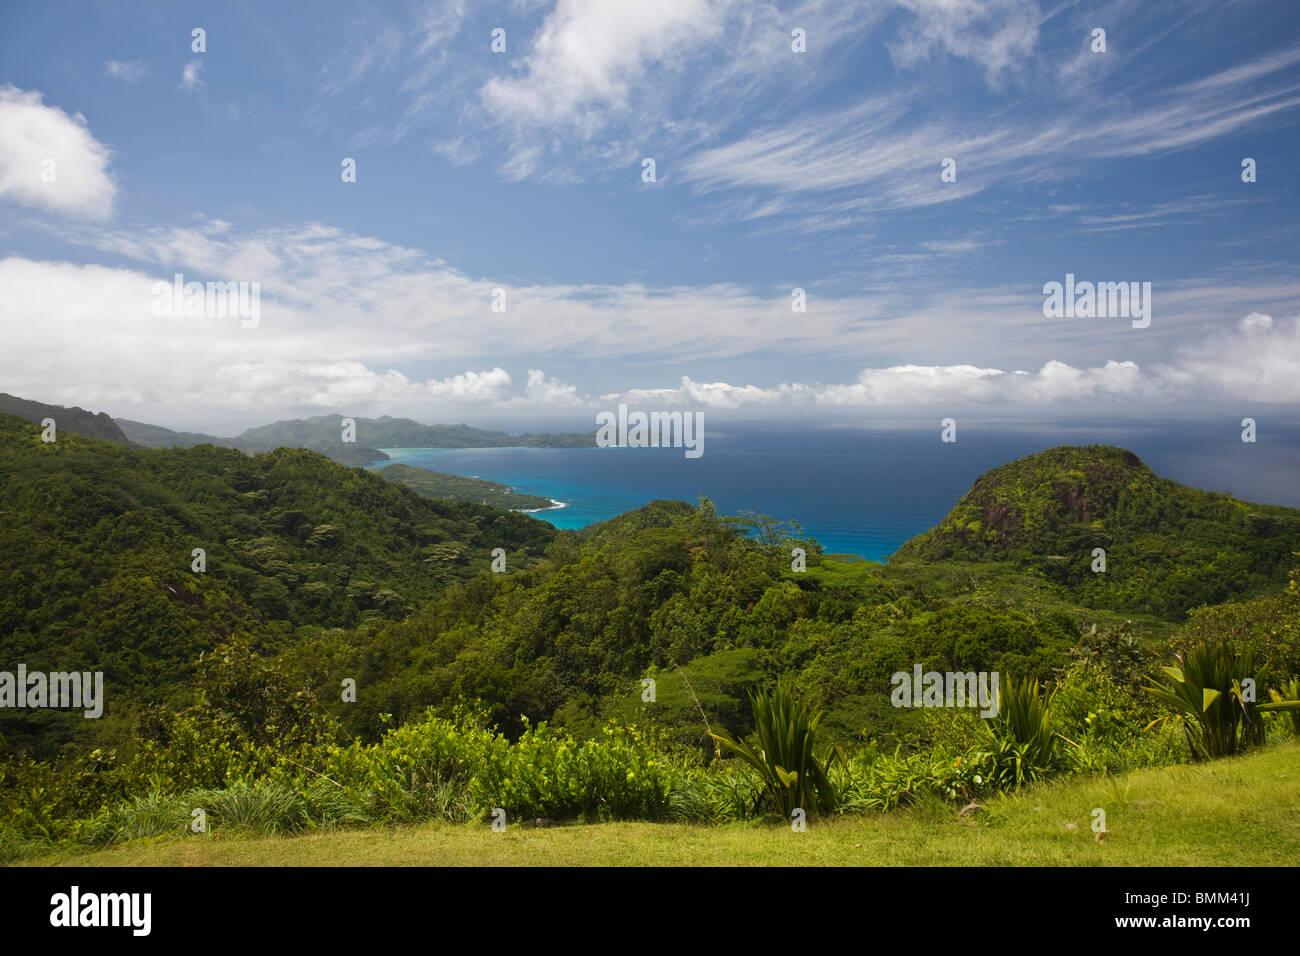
{"type": "Point", "coordinates": [155, 814]}
{"type": "Point", "coordinates": [898, 780]}
{"type": "Point", "coordinates": [620, 775]}
{"type": "Point", "coordinates": [1023, 743]}
{"type": "Point", "coordinates": [1204, 692]}
{"type": "Point", "coordinates": [724, 793]}
{"type": "Point", "coordinates": [1092, 706]}
{"type": "Point", "coordinates": [1288, 702]}
{"type": "Point", "coordinates": [420, 770]}
{"type": "Point", "coordinates": [457, 769]}
{"type": "Point", "coordinates": [786, 732]}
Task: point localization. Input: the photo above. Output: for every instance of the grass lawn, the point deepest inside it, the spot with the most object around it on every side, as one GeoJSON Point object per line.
{"type": "Point", "coordinates": [1238, 812]}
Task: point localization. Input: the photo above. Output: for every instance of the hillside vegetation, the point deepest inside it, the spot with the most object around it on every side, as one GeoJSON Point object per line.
{"type": "Point", "coordinates": [156, 436]}
{"type": "Point", "coordinates": [1246, 813]}
{"type": "Point", "coordinates": [96, 543]}
{"type": "Point", "coordinates": [74, 421]}
{"type": "Point", "coordinates": [524, 685]}
{"type": "Point", "coordinates": [438, 484]}
{"type": "Point", "coordinates": [1168, 548]}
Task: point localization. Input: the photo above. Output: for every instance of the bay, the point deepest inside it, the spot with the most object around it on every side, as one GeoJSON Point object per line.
{"type": "Point", "coordinates": [860, 490]}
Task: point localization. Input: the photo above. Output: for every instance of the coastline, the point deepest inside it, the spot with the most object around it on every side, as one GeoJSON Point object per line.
{"type": "Point", "coordinates": [555, 505]}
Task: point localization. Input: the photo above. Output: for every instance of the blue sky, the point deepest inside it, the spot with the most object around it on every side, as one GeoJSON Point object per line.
{"type": "Point", "coordinates": [522, 171]}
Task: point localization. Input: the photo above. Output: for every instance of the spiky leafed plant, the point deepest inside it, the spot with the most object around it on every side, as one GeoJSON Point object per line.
{"type": "Point", "coordinates": [1204, 690]}
{"type": "Point", "coordinates": [786, 729]}
{"type": "Point", "coordinates": [1287, 701]}
{"type": "Point", "coordinates": [1025, 744]}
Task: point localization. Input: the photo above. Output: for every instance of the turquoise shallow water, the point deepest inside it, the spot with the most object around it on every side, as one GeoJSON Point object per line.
{"type": "Point", "coordinates": [858, 491]}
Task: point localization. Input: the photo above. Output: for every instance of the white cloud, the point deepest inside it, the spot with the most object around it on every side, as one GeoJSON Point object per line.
{"type": "Point", "coordinates": [346, 319]}
{"type": "Point", "coordinates": [600, 70]}
{"type": "Point", "coordinates": [129, 71]}
{"type": "Point", "coordinates": [345, 384]}
{"type": "Point", "coordinates": [997, 34]}
{"type": "Point", "coordinates": [600, 79]}
{"type": "Point", "coordinates": [39, 142]}
{"type": "Point", "coordinates": [548, 392]}
{"type": "Point", "coordinates": [953, 247]}
{"type": "Point", "coordinates": [589, 56]}
{"type": "Point", "coordinates": [873, 155]}
{"type": "Point", "coordinates": [1262, 364]}
{"type": "Point", "coordinates": [190, 79]}
{"type": "Point", "coordinates": [918, 385]}
{"type": "Point", "coordinates": [1257, 361]}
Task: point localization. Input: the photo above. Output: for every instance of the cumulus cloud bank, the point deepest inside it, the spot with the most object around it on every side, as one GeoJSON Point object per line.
{"type": "Point", "coordinates": [1260, 368]}
{"type": "Point", "coordinates": [87, 334]}
{"type": "Point", "coordinates": [346, 320]}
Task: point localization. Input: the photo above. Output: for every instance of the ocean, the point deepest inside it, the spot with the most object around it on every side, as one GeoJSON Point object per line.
{"type": "Point", "coordinates": [859, 490]}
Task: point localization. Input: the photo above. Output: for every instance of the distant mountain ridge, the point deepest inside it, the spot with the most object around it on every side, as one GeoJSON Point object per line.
{"type": "Point", "coordinates": [321, 433]}
{"type": "Point", "coordinates": [76, 420]}
{"type": "Point", "coordinates": [156, 436]}
{"type": "Point", "coordinates": [324, 434]}
{"type": "Point", "coordinates": [389, 432]}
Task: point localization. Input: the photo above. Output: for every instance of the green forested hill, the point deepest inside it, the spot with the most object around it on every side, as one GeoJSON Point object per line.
{"type": "Point", "coordinates": [1168, 548]}
{"type": "Point", "coordinates": [156, 436]}
{"type": "Point", "coordinates": [677, 591]}
{"type": "Point", "coordinates": [439, 484]}
{"type": "Point", "coordinates": [321, 577]}
{"type": "Point", "coordinates": [96, 544]}
{"type": "Point", "coordinates": [75, 421]}
{"type": "Point", "coordinates": [339, 574]}
{"type": "Point", "coordinates": [429, 484]}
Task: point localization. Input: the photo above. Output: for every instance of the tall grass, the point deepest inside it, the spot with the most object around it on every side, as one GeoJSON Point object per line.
{"type": "Point", "coordinates": [263, 808]}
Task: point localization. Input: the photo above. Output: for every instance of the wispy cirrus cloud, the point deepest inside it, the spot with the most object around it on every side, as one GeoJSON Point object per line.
{"type": "Point", "coordinates": [590, 86]}
{"type": "Point", "coordinates": [999, 35]}
{"type": "Point", "coordinates": [875, 157]}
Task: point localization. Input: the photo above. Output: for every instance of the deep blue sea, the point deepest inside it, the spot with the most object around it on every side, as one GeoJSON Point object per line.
{"type": "Point", "coordinates": [861, 490]}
